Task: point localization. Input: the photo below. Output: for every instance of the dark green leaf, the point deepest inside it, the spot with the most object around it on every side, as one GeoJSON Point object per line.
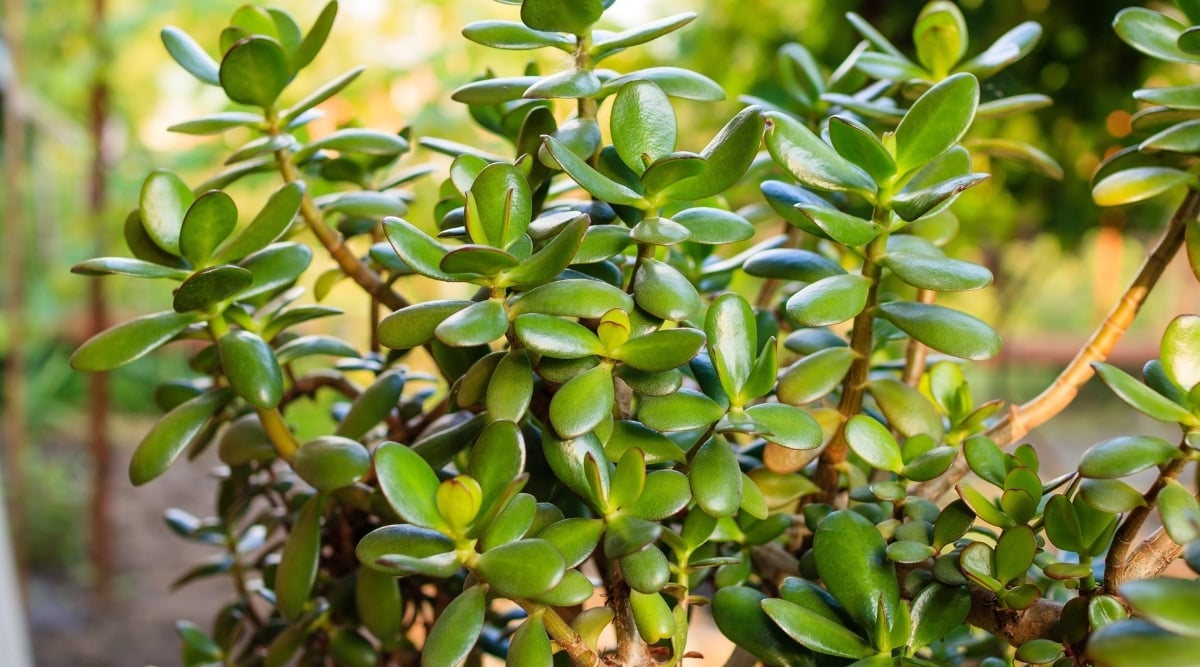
{"type": "Point", "coordinates": [129, 341]}
{"type": "Point", "coordinates": [661, 290]}
{"type": "Point", "coordinates": [477, 324]}
{"type": "Point", "coordinates": [936, 121]}
{"type": "Point", "coordinates": [850, 558]}
{"type": "Point", "coordinates": [267, 226]}
{"type": "Point", "coordinates": [172, 434]}
{"type": "Point", "coordinates": [684, 410]}
{"type": "Point", "coordinates": [372, 406]}
{"type": "Point", "coordinates": [165, 198]}
{"type": "Point", "coordinates": [858, 144]}
{"type": "Point", "coordinates": [575, 17]}
{"type": "Point", "coordinates": [715, 478]}
{"type": "Point", "coordinates": [816, 631]}
{"type": "Point", "coordinates": [457, 629]}
{"type": "Point", "coordinates": [315, 38]}
{"type": "Point", "coordinates": [582, 403]}
{"type": "Point", "coordinates": [251, 368]}
{"type": "Point", "coordinates": [254, 71]}
{"type": "Point", "coordinates": [728, 156]}
{"type": "Point", "coordinates": [945, 330]}
{"type": "Point", "coordinates": [1110, 495]}
{"type": "Point", "coordinates": [414, 325]}
{"type": "Point", "coordinates": [829, 300]}
{"type": "Point", "coordinates": [409, 484]}
{"type": "Point", "coordinates": [300, 559]}
{"type": "Point", "coordinates": [813, 162]}
{"type": "Point", "coordinates": [1125, 455]}
{"type": "Point", "coordinates": [643, 124]}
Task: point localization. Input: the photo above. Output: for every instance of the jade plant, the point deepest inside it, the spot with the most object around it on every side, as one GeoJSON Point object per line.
{"type": "Point", "coordinates": [639, 395]}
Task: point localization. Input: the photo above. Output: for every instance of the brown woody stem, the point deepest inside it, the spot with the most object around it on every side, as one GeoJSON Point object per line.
{"type": "Point", "coordinates": [1022, 419]}
{"type": "Point", "coordinates": [1152, 556]}
{"type": "Point", "coordinates": [564, 635]}
{"type": "Point", "coordinates": [1116, 564]}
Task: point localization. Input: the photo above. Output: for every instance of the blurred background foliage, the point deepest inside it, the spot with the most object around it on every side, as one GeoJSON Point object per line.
{"type": "Point", "coordinates": [1059, 262]}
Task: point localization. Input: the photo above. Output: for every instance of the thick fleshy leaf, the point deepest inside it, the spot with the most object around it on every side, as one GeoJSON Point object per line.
{"type": "Point", "coordinates": [874, 443]}
{"type": "Point", "coordinates": [556, 337]}
{"type": "Point", "coordinates": [251, 368]}
{"type": "Point", "coordinates": [716, 479]}
{"type": "Point", "coordinates": [164, 201]}
{"type": "Point", "coordinates": [530, 645]}
{"type": "Point", "coordinates": [674, 81]}
{"type": "Point", "coordinates": [731, 330]}
{"type": "Point", "coordinates": [503, 206]}
{"type": "Point", "coordinates": [128, 341]}
{"type": "Point", "coordinates": [714, 226]}
{"type": "Point", "coordinates": [515, 36]}
{"type": "Point", "coordinates": [254, 71]}
{"type": "Point", "coordinates": [936, 121]}
{"type": "Point", "coordinates": [1125, 455]}
{"type": "Point", "coordinates": [814, 376]}
{"type": "Point", "coordinates": [815, 631]}
{"type": "Point", "coordinates": [640, 34]}
{"type": "Point", "coordinates": [1008, 49]}
{"type": "Point", "coordinates": [684, 410]}
{"type": "Point", "coordinates": [572, 298]}
{"type": "Point", "coordinates": [208, 287]}
{"type": "Point", "coordinates": [738, 613]}
{"type": "Point", "coordinates": [1062, 525]}
{"type": "Point", "coordinates": [477, 324]}
{"type": "Point", "coordinates": [1180, 351]}
{"type": "Point", "coordinates": [551, 259]}
{"type": "Point", "coordinates": [789, 426]}
{"type": "Point", "coordinates": [481, 259]}
{"type": "Point", "coordinates": [1153, 33]}
{"type": "Point", "coordinates": [597, 184]}
{"type": "Point", "coordinates": [829, 300]}
{"type": "Point", "coordinates": [943, 329]}
{"type": "Point", "coordinates": [575, 17]}
{"type": "Point", "coordinates": [1176, 98]}
{"type": "Point", "coordinates": [455, 632]}
{"type": "Point", "coordinates": [914, 204]}
{"type": "Point", "coordinates": [936, 612]}
{"type": "Point", "coordinates": [792, 264]}
{"type": "Point", "coordinates": [908, 411]}
{"type": "Point", "coordinates": [664, 493]}
{"type": "Point", "coordinates": [172, 434]}
{"type": "Point", "coordinates": [661, 290]}
{"type": "Point", "coordinates": [1167, 602]}
{"type": "Point", "coordinates": [1127, 643]}
{"type": "Point", "coordinates": [626, 535]}
{"type": "Point", "coordinates": [297, 112]}
{"type": "Point", "coordinates": [125, 266]}
{"type": "Point", "coordinates": [1110, 495]}
{"type": "Point", "coordinates": [190, 56]}
{"type": "Point", "coordinates": [275, 267]}
{"type": "Point", "coordinates": [846, 229]}
{"type": "Point", "coordinates": [522, 569]}
{"type": "Point", "coordinates": [1180, 512]}
{"type": "Point", "coordinates": [728, 156]}
{"type": "Point", "coordinates": [643, 124]}
{"type": "Point", "coordinates": [1014, 553]}
{"type": "Point", "coordinates": [582, 403]}
{"type": "Point", "coordinates": [813, 162]}
{"type": "Point", "coordinates": [574, 538]}
{"type": "Point", "coordinates": [850, 558]}
{"type": "Point", "coordinates": [858, 144]}
{"type": "Point", "coordinates": [414, 325]}
{"type": "Point", "coordinates": [661, 350]}
{"type": "Point", "coordinates": [331, 462]}
{"type": "Point", "coordinates": [404, 549]}
{"type": "Point", "coordinates": [1137, 184]}
{"type": "Point", "coordinates": [659, 231]}
{"type": "Point", "coordinates": [408, 483]}
{"type": "Point", "coordinates": [266, 227]}
{"type": "Point", "coordinates": [937, 273]}
{"type": "Point", "coordinates": [299, 560]}
{"type": "Point", "coordinates": [940, 36]}
{"type": "Point", "coordinates": [373, 405]}
{"type": "Point", "coordinates": [207, 222]}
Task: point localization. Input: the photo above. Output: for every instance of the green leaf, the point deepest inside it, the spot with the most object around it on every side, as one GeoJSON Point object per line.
{"type": "Point", "coordinates": [940, 36]}
{"type": "Point", "coordinates": [643, 124]}
{"type": "Point", "coordinates": [1176, 98]}
{"type": "Point", "coordinates": [715, 478]}
{"type": "Point", "coordinates": [937, 273]}
{"type": "Point", "coordinates": [1110, 495]}
{"type": "Point", "coordinates": [503, 206]}
{"type": "Point", "coordinates": [674, 81]}
{"type": "Point", "coordinates": [859, 145]}
{"type": "Point", "coordinates": [582, 403]}
{"type": "Point", "coordinates": [515, 36]}
{"type": "Point", "coordinates": [816, 631]}
{"type": "Point", "coordinates": [208, 287]}
{"type": "Point", "coordinates": [888, 66]}
{"type": "Point", "coordinates": [1039, 651]}
{"type": "Point", "coordinates": [597, 184]}
{"type": "Point", "coordinates": [574, 538]}
{"type": "Point", "coordinates": [190, 56]}
{"type": "Point", "coordinates": [355, 140]}
{"type": "Point", "coordinates": [936, 121]}
{"type": "Point", "coordinates": [300, 559]}
{"type": "Point", "coordinates": [738, 613]}
{"type": "Point", "coordinates": [172, 434]}
{"type": "Point", "coordinates": [575, 16]}
{"type": "Point", "coordinates": [1014, 553]}
{"type": "Point", "coordinates": [846, 229]}
{"type": "Point", "coordinates": [814, 376]}
{"type": "Point", "coordinates": [128, 341]}
{"type": "Point", "coordinates": [1167, 602]}
{"type": "Point", "coordinates": [274, 267]}
{"type": "Point", "coordinates": [789, 426]}
{"type": "Point", "coordinates": [530, 645]}
{"type": "Point", "coordinates": [913, 204]}
{"type": "Point", "coordinates": [477, 324]}
{"type": "Point", "coordinates": [1153, 33]}
{"type": "Point", "coordinates": [251, 368]}
{"type": "Point", "coordinates": [404, 549]}
{"type": "Point", "coordinates": [983, 507]}
{"type": "Point", "coordinates": [372, 406]}
{"type": "Point", "coordinates": [331, 462]}
{"type": "Point", "coordinates": [245, 440]}
{"type": "Point", "coordinates": [510, 389]}
{"type": "Point", "coordinates": [732, 335]}
{"type": "Point", "coordinates": [266, 227]}
{"type": "Point", "coordinates": [1180, 352]}
{"type": "Point", "coordinates": [1137, 184]}
{"type": "Point", "coordinates": [986, 459]}
{"type": "Point", "coordinates": [1180, 512]}
{"type": "Point", "coordinates": [659, 231]}
{"type": "Point", "coordinates": [326, 91]}
{"type": "Point", "coordinates": [549, 261]}
{"type": "Point", "coordinates": [1181, 138]}
{"type": "Point", "coordinates": [661, 350]}
{"type": "Point", "coordinates": [791, 264]}
{"type": "Point", "coordinates": [315, 38]}
{"type": "Point", "coordinates": [937, 611]}
{"type": "Point", "coordinates": [714, 226]}
{"type": "Point", "coordinates": [408, 483]}
{"type": "Point", "coordinates": [207, 222]}
{"type": "Point", "coordinates": [521, 569]}
{"type": "Point", "coordinates": [1008, 49]}
{"type": "Point", "coordinates": [684, 410]}
{"type": "Point", "coordinates": [477, 259]}
{"type": "Point", "coordinates": [1128, 643]}
{"type": "Point", "coordinates": [612, 44]}
{"type": "Point", "coordinates": [125, 266]}
{"type": "Point", "coordinates": [1062, 525]}
{"type": "Point", "coordinates": [949, 331]}
{"type": "Point", "coordinates": [728, 156]}
{"type": "Point", "coordinates": [254, 71]}
{"type": "Point", "coordinates": [457, 629]}
{"type": "Point", "coordinates": [627, 534]}
{"type": "Point", "coordinates": [1125, 455]}
{"type": "Point", "coordinates": [661, 290]}
{"type": "Point", "coordinates": [829, 300]}
{"type": "Point", "coordinates": [491, 91]}
{"type": "Point", "coordinates": [648, 570]}
{"type": "Point", "coordinates": [664, 493]}
{"type": "Point", "coordinates": [165, 198]}
{"type": "Point", "coordinates": [850, 558]}
{"type": "Point", "coordinates": [874, 443]}
{"type": "Point", "coordinates": [413, 326]}
{"type": "Point", "coordinates": [572, 298]}
{"type": "Point", "coordinates": [813, 162]}
{"type": "Point", "coordinates": [908, 411]}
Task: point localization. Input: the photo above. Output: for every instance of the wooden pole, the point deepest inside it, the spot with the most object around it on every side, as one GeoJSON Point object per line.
{"type": "Point", "coordinates": [100, 544]}
{"type": "Point", "coordinates": [14, 636]}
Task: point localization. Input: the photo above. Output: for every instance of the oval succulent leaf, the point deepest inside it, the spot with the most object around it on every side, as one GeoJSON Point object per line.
{"type": "Point", "coordinates": [813, 162]}
{"type": "Point", "coordinates": [874, 443]}
{"type": "Point", "coordinates": [372, 406]}
{"type": "Point", "coordinates": [164, 201]}
{"type": "Point", "coordinates": [643, 124]}
{"type": "Point", "coordinates": [129, 341]}
{"type": "Point", "coordinates": [582, 403]}
{"type": "Point", "coordinates": [716, 479]}
{"type": "Point", "coordinates": [300, 559]}
{"type": "Point", "coordinates": [512, 35]}
{"type": "Point", "coordinates": [254, 71]}
{"type": "Point", "coordinates": [943, 329]}
{"type": "Point", "coordinates": [815, 631]}
{"type": "Point", "coordinates": [207, 222]}
{"type": "Point", "coordinates": [1137, 184]}
{"type": "Point", "coordinates": [455, 632]}
{"type": "Point", "coordinates": [1153, 33]}
{"type": "Point", "coordinates": [829, 300]}
{"type": "Point", "coordinates": [167, 439]}
{"type": "Point", "coordinates": [1124, 456]}
{"type": "Point", "coordinates": [190, 56]}
{"type": "Point", "coordinates": [251, 368]}
{"type": "Point", "coordinates": [408, 483]}
{"type": "Point", "coordinates": [850, 557]}
{"type": "Point", "coordinates": [1180, 351]}
{"type": "Point", "coordinates": [937, 273]}
{"type": "Point", "coordinates": [936, 121]}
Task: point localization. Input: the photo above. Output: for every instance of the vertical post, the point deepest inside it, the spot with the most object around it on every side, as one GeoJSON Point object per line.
{"type": "Point", "coordinates": [13, 635]}
{"type": "Point", "coordinates": [15, 231]}
{"type": "Point", "coordinates": [100, 544]}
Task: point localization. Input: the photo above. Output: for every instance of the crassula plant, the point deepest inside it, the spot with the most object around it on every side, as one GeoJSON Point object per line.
{"type": "Point", "coordinates": [632, 402]}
